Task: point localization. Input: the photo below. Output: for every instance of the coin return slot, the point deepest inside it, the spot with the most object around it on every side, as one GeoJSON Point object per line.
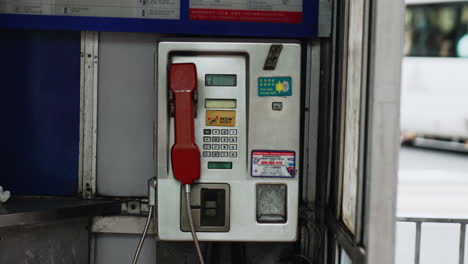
{"type": "Point", "coordinates": [271, 203]}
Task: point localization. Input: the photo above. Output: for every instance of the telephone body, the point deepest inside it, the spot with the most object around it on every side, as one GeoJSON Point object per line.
{"type": "Point", "coordinates": [247, 129]}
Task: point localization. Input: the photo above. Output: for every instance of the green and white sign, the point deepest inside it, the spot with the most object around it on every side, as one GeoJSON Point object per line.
{"type": "Point", "coordinates": [274, 86]}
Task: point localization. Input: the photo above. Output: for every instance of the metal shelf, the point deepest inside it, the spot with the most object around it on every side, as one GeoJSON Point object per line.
{"type": "Point", "coordinates": [35, 210]}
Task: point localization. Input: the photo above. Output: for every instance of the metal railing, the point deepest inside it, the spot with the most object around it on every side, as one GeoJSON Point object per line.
{"type": "Point", "coordinates": [420, 221]}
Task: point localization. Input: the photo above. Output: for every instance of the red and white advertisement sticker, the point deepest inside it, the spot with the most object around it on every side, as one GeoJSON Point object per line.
{"type": "Point", "coordinates": [274, 11]}
{"type": "Point", "coordinates": [273, 163]}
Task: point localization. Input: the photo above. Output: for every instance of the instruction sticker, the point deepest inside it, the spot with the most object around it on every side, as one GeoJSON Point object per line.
{"type": "Point", "coordinates": [167, 9]}
{"type": "Point", "coordinates": [274, 86]}
{"type": "Point", "coordinates": [220, 118]}
{"type": "Point", "coordinates": [275, 11]}
{"type": "Point", "coordinates": [273, 163]}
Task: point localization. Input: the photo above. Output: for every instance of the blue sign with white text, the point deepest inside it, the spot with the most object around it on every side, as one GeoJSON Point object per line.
{"type": "Point", "coordinates": [292, 18]}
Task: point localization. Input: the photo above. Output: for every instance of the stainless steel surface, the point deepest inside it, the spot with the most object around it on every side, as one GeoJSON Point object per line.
{"type": "Point", "coordinates": [143, 235]}
{"type": "Point", "coordinates": [152, 185]}
{"type": "Point", "coordinates": [192, 226]}
{"type": "Point", "coordinates": [25, 211]}
{"type": "Point", "coordinates": [271, 203]}
{"type": "Point", "coordinates": [265, 129]}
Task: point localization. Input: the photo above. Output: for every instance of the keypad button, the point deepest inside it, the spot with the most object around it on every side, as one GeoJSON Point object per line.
{"type": "Point", "coordinates": [215, 146]}
{"type": "Point", "coordinates": [233, 154]}
{"type": "Point", "coordinates": [206, 146]}
{"type": "Point", "coordinates": [216, 139]}
{"type": "Point", "coordinates": [224, 147]}
{"type": "Point", "coordinates": [233, 131]}
{"type": "Point", "coordinates": [215, 131]}
{"type": "Point", "coordinates": [206, 139]}
{"type": "Point", "coordinates": [233, 147]}
{"type": "Point", "coordinates": [215, 154]}
{"type": "Point", "coordinates": [206, 154]}
{"type": "Point", "coordinates": [224, 139]}
{"type": "Point", "coordinates": [224, 131]}
{"type": "Point", "coordinates": [206, 131]}
{"type": "Point", "coordinates": [233, 139]}
{"type": "Point", "coordinates": [224, 154]}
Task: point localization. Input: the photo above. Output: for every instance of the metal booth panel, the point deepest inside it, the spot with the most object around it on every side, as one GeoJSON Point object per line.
{"type": "Point", "coordinates": [119, 249]}
{"type": "Point", "coordinates": [126, 112]}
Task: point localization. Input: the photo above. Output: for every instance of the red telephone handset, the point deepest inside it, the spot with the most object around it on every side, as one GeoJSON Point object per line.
{"type": "Point", "coordinates": [185, 155]}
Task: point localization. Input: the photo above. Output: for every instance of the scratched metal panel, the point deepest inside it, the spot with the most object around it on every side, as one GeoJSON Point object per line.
{"type": "Point", "coordinates": [62, 242]}
{"type": "Point", "coordinates": [353, 114]}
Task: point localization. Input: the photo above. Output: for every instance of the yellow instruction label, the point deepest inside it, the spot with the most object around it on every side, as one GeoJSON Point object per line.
{"type": "Point", "coordinates": [220, 118]}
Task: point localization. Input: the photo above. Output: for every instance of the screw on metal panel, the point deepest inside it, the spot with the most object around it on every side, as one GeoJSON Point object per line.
{"type": "Point", "coordinates": [133, 207]}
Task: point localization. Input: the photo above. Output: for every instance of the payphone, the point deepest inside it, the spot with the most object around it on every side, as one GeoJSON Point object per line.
{"type": "Point", "coordinates": [228, 122]}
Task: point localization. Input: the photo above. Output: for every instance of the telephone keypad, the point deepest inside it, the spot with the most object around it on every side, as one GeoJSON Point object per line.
{"type": "Point", "coordinates": [206, 147]}
{"type": "Point", "coordinates": [226, 150]}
